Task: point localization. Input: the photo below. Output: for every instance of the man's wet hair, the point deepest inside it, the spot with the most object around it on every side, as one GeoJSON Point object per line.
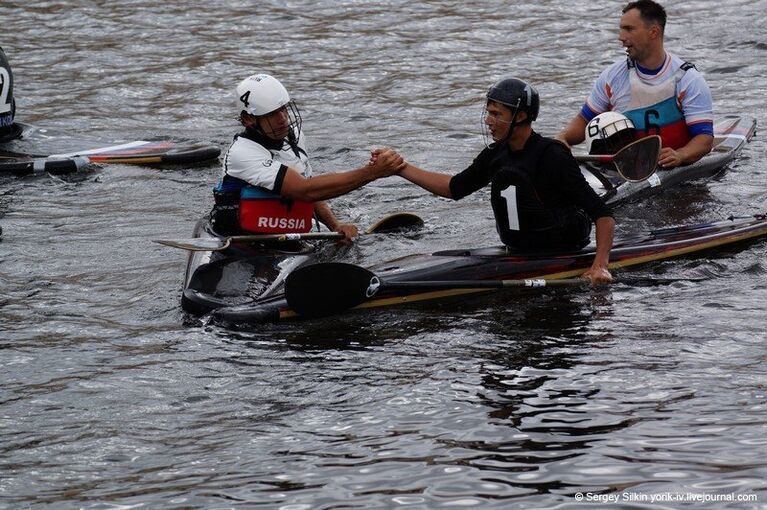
{"type": "Point", "coordinates": [649, 11]}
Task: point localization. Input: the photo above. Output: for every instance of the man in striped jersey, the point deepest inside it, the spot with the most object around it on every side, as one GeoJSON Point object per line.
{"type": "Point", "coordinates": [659, 92]}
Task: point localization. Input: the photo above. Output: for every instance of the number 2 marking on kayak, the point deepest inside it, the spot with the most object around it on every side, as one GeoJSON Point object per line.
{"type": "Point", "coordinates": [510, 195]}
{"type": "Point", "coordinates": [5, 105]}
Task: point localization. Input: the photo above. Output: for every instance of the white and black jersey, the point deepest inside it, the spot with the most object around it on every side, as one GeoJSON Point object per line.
{"type": "Point", "coordinates": [262, 162]}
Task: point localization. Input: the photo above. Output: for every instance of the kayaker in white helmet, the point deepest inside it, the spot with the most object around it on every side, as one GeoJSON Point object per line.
{"type": "Point", "coordinates": [540, 199]}
{"type": "Point", "coordinates": [267, 185]}
{"type": "Point", "coordinates": [659, 92]}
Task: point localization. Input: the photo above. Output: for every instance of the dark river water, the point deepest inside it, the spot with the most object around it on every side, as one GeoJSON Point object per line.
{"type": "Point", "coordinates": [112, 398]}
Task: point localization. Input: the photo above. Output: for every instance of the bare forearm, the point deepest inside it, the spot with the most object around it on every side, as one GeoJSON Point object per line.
{"type": "Point", "coordinates": [327, 186]}
{"type": "Point", "coordinates": [323, 187]}
{"type": "Point", "coordinates": [696, 148]}
{"type": "Point", "coordinates": [435, 182]}
{"type": "Point", "coordinates": [574, 132]}
{"type": "Point", "coordinates": [599, 273]}
{"type": "Point", "coordinates": [605, 230]}
{"type": "Point", "coordinates": [325, 215]}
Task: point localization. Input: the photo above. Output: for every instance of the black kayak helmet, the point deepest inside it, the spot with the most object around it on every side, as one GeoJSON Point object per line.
{"type": "Point", "coordinates": [518, 95]}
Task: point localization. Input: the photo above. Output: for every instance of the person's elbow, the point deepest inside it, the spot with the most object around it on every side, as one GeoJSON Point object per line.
{"type": "Point", "coordinates": [446, 192]}
{"type": "Point", "coordinates": [605, 219]}
{"type": "Point", "coordinates": [574, 132]}
{"type": "Point", "coordinates": [297, 187]}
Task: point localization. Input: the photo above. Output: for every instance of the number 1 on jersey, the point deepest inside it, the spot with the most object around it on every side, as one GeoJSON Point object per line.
{"type": "Point", "coordinates": [510, 195]}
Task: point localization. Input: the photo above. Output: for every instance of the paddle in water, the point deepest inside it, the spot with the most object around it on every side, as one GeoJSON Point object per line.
{"type": "Point", "coordinates": [396, 222]}
{"type": "Point", "coordinates": [393, 223]}
{"type": "Point", "coordinates": [53, 166]}
{"type": "Point", "coordinates": [635, 162]}
{"type": "Point", "coordinates": [318, 290]}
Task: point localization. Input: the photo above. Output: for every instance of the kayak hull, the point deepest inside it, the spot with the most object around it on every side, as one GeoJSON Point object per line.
{"type": "Point", "coordinates": [39, 149]}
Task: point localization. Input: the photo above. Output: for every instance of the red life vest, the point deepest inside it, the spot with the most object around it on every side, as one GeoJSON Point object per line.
{"type": "Point", "coordinates": [264, 212]}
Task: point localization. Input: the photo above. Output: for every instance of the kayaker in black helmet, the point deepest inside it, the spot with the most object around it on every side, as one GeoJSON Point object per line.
{"type": "Point", "coordinates": [8, 130]}
{"type": "Point", "coordinates": [540, 199]}
{"type": "Point", "coordinates": [267, 184]}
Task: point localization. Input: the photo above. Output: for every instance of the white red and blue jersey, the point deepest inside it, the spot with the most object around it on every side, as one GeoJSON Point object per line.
{"type": "Point", "coordinates": [673, 101]}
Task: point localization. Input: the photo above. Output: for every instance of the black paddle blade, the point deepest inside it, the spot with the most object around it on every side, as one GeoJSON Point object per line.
{"type": "Point", "coordinates": [638, 160]}
{"type": "Point", "coordinates": [318, 290]}
{"type": "Point", "coordinates": [397, 222]}
{"type": "Point", "coordinates": [51, 166]}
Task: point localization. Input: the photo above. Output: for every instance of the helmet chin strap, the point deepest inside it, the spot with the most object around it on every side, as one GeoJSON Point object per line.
{"type": "Point", "coordinates": [513, 124]}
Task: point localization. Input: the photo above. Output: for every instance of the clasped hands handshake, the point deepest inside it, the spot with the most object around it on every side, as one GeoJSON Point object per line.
{"type": "Point", "coordinates": [385, 162]}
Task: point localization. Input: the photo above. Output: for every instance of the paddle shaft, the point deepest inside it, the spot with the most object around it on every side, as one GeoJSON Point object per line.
{"type": "Point", "coordinates": [308, 236]}
{"type": "Point", "coordinates": [478, 284]}
{"type": "Point", "coordinates": [392, 223]}
{"type": "Point", "coordinates": [323, 289]}
{"type": "Point", "coordinates": [600, 158]}
{"type": "Point", "coordinates": [222, 243]}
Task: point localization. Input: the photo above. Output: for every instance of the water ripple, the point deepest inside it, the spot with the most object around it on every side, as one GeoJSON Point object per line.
{"type": "Point", "coordinates": [112, 397]}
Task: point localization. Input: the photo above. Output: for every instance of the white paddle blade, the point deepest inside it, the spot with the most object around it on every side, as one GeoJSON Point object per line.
{"type": "Point", "coordinates": [195, 244]}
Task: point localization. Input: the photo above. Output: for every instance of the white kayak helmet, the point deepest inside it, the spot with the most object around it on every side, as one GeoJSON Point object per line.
{"type": "Point", "coordinates": [261, 94]}
{"type": "Point", "coordinates": [608, 132]}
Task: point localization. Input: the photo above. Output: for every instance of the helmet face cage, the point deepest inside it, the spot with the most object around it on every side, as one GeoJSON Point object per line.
{"type": "Point", "coordinates": [487, 137]}
{"type": "Point", "coordinates": [619, 138]}
{"type": "Point", "coordinates": [294, 119]}
{"type": "Point", "coordinates": [611, 137]}
{"type": "Point", "coordinates": [294, 114]}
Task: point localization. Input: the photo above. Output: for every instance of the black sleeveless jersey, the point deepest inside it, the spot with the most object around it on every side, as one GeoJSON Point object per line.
{"type": "Point", "coordinates": [537, 193]}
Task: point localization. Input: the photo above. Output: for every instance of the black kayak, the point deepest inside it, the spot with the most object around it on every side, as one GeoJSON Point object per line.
{"type": "Point", "coordinates": [209, 275]}
{"type": "Point", "coordinates": [221, 278]}
{"type": "Point", "coordinates": [224, 285]}
{"type": "Point", "coordinates": [38, 150]}
{"type": "Point", "coordinates": [224, 270]}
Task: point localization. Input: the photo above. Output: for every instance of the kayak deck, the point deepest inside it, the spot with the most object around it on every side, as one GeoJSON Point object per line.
{"type": "Point", "coordinates": [238, 274]}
